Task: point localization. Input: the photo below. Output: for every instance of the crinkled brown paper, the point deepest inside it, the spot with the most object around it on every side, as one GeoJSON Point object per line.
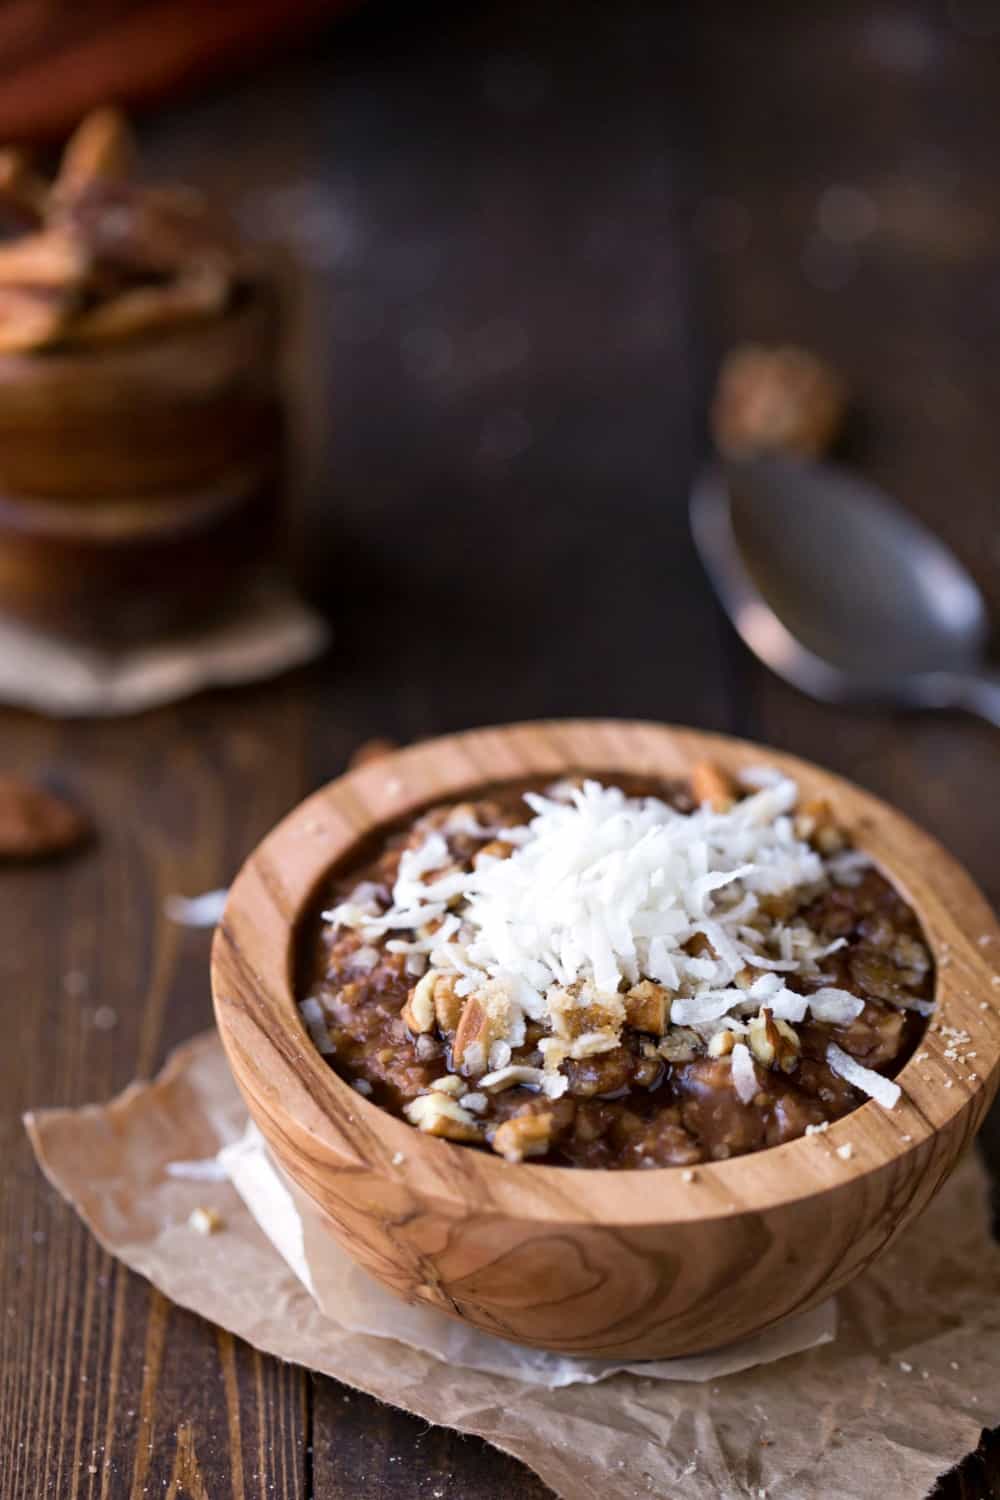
{"type": "Point", "coordinates": [897, 1399]}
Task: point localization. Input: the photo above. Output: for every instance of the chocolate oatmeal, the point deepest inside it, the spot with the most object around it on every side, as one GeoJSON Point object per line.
{"type": "Point", "coordinates": [618, 976]}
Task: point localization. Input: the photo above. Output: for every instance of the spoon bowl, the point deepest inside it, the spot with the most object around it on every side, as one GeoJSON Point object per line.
{"type": "Point", "coordinates": [840, 591]}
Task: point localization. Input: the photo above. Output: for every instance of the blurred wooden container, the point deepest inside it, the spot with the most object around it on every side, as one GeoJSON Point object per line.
{"type": "Point", "coordinates": [139, 481]}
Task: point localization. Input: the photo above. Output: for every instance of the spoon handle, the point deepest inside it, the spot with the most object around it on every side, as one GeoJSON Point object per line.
{"type": "Point", "coordinates": [976, 692]}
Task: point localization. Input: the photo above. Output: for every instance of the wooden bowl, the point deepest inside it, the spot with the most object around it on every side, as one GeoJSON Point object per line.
{"type": "Point", "coordinates": [633, 1263]}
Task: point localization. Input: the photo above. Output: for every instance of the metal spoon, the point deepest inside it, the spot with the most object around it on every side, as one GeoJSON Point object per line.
{"type": "Point", "coordinates": [841, 592]}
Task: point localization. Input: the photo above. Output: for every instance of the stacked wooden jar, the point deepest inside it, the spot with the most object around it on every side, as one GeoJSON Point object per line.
{"type": "Point", "coordinates": [140, 413]}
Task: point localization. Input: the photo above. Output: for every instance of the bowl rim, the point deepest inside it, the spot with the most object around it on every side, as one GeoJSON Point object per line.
{"type": "Point", "coordinates": [296, 1096]}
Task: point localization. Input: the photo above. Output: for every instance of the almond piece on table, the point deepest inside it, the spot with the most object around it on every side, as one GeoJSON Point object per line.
{"type": "Point", "coordinates": [35, 822]}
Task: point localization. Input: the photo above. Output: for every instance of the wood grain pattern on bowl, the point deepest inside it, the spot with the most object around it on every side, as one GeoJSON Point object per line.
{"type": "Point", "coordinates": [640, 1264]}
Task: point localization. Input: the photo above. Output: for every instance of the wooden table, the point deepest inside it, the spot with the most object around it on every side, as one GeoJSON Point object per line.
{"type": "Point", "coordinates": [527, 232]}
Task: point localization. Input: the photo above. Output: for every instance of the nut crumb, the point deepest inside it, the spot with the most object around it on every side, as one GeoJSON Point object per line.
{"type": "Point", "coordinates": [687, 1175]}
{"type": "Point", "coordinates": [846, 1151]}
{"type": "Point", "coordinates": [907, 1369]}
{"type": "Point", "coordinates": [205, 1221]}
{"type": "Point", "coordinates": [398, 1158]}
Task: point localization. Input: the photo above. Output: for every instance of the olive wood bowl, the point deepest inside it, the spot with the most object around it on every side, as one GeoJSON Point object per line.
{"type": "Point", "coordinates": [631, 1263]}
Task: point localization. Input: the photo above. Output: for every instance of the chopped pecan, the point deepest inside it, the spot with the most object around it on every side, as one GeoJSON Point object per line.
{"type": "Point", "coordinates": [721, 1043]}
{"type": "Point", "coordinates": [773, 1043]}
{"type": "Point", "coordinates": [647, 1007]}
{"type": "Point", "coordinates": [440, 1114]}
{"type": "Point", "coordinates": [815, 824]}
{"type": "Point", "coordinates": [680, 1045]}
{"type": "Point", "coordinates": [418, 1012]}
{"type": "Point", "coordinates": [447, 1004]}
{"type": "Point", "coordinates": [524, 1135]}
{"type": "Point", "coordinates": [479, 1026]}
{"type": "Point", "coordinates": [711, 784]}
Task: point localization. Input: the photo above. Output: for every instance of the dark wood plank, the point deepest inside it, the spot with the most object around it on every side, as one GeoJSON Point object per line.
{"type": "Point", "coordinates": [363, 1450]}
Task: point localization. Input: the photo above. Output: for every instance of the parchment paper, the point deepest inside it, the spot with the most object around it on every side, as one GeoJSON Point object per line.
{"type": "Point", "coordinates": [268, 631]}
{"type": "Point", "coordinates": [895, 1400]}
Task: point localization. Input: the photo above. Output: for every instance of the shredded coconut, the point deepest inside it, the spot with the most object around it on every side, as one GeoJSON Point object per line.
{"type": "Point", "coordinates": [866, 1079]}
{"type": "Point", "coordinates": [744, 1073]}
{"type": "Point", "coordinates": [315, 1021]}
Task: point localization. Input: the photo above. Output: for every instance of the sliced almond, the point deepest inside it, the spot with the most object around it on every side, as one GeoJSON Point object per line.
{"type": "Point", "coordinates": [101, 147]}
{"type": "Point", "coordinates": [153, 309]}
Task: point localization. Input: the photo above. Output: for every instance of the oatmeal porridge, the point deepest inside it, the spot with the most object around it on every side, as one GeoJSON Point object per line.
{"type": "Point", "coordinates": [618, 975]}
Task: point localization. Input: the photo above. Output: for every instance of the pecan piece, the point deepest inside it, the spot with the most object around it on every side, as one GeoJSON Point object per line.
{"type": "Point", "coordinates": [647, 1007]}
{"type": "Point", "coordinates": [711, 784]}
{"type": "Point", "coordinates": [447, 1004]}
{"type": "Point", "coordinates": [815, 824]}
{"type": "Point", "coordinates": [773, 1043]}
{"type": "Point", "coordinates": [721, 1043]}
{"type": "Point", "coordinates": [524, 1135]}
{"type": "Point", "coordinates": [471, 1049]}
{"type": "Point", "coordinates": [418, 1012]}
{"type": "Point", "coordinates": [439, 1114]}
